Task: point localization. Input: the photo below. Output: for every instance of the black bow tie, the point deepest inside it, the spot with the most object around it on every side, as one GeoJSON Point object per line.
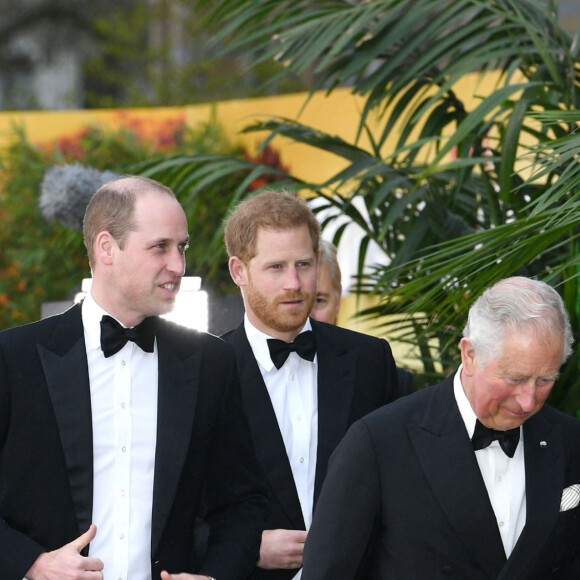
{"type": "Point", "coordinates": [303, 345]}
{"type": "Point", "coordinates": [114, 336]}
{"type": "Point", "coordinates": [483, 436]}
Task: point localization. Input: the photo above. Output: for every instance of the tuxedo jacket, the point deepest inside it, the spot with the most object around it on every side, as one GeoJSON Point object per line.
{"type": "Point", "coordinates": [203, 452]}
{"type": "Point", "coordinates": [356, 375]}
{"type": "Point", "coordinates": [405, 486]}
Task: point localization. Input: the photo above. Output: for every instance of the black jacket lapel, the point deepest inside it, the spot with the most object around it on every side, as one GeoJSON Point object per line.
{"type": "Point", "coordinates": [544, 460]}
{"type": "Point", "coordinates": [336, 383]}
{"type": "Point", "coordinates": [448, 461]}
{"type": "Point", "coordinates": [266, 435]}
{"type": "Point", "coordinates": [178, 387]}
{"type": "Point", "coordinates": [64, 360]}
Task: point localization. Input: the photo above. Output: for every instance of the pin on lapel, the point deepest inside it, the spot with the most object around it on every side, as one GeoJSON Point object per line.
{"type": "Point", "coordinates": [543, 444]}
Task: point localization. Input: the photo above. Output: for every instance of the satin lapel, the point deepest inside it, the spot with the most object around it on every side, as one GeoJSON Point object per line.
{"type": "Point", "coordinates": [266, 434]}
{"type": "Point", "coordinates": [178, 385]}
{"type": "Point", "coordinates": [449, 464]}
{"type": "Point", "coordinates": [543, 442]}
{"type": "Point", "coordinates": [336, 383]}
{"type": "Point", "coordinates": [64, 360]}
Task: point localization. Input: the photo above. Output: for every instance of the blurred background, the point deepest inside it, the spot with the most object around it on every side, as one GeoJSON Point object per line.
{"type": "Point", "coordinates": [439, 147]}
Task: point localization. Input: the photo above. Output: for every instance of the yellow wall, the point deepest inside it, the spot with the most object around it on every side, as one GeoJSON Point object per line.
{"type": "Point", "coordinates": [337, 114]}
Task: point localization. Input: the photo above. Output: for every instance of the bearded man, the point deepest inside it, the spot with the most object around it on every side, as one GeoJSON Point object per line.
{"type": "Point", "coordinates": [303, 382]}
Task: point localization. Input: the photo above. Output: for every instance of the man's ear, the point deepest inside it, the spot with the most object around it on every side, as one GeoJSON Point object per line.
{"type": "Point", "coordinates": [467, 355]}
{"type": "Point", "coordinates": [105, 245]}
{"type": "Point", "coordinates": [238, 271]}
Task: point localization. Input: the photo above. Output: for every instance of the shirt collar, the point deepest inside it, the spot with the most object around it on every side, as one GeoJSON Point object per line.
{"type": "Point", "coordinates": [259, 344]}
{"type": "Point", "coordinates": [467, 414]}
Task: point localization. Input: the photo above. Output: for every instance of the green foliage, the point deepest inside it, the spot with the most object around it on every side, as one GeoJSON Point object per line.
{"type": "Point", "coordinates": [32, 270]}
{"type": "Point", "coordinates": [458, 189]}
{"type": "Point", "coordinates": [161, 54]}
{"type": "Point", "coordinates": [43, 262]}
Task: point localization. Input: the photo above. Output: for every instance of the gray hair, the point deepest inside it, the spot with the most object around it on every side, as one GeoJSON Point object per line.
{"type": "Point", "coordinates": [516, 303]}
{"type": "Point", "coordinates": [328, 255]}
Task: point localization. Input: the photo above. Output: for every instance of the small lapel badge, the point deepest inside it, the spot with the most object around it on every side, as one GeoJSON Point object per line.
{"type": "Point", "coordinates": [543, 444]}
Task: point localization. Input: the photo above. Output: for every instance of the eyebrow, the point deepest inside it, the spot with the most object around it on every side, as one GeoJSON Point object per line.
{"type": "Point", "coordinates": [169, 240]}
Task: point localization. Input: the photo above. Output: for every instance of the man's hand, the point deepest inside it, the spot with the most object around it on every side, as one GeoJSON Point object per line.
{"type": "Point", "coordinates": [66, 563]}
{"type": "Point", "coordinates": [167, 576]}
{"type": "Point", "coordinates": [282, 549]}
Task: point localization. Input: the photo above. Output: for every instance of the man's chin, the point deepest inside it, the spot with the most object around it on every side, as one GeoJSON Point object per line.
{"type": "Point", "coordinates": [164, 307]}
{"type": "Point", "coordinates": [291, 325]}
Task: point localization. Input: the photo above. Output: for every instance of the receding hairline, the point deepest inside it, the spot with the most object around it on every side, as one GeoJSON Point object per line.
{"type": "Point", "coordinates": [137, 185]}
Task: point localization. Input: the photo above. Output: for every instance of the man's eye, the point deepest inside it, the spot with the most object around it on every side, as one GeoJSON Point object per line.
{"type": "Point", "coordinates": [544, 382]}
{"type": "Point", "coordinates": [320, 303]}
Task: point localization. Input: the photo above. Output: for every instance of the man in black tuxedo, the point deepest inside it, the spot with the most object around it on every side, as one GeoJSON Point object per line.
{"type": "Point", "coordinates": [115, 445]}
{"type": "Point", "coordinates": [328, 299]}
{"type": "Point", "coordinates": [298, 408]}
{"type": "Point", "coordinates": [474, 478]}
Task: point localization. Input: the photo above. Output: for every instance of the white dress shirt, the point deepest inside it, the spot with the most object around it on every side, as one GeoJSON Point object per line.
{"type": "Point", "coordinates": [294, 396]}
{"type": "Point", "coordinates": [124, 415]}
{"type": "Point", "coordinates": [504, 477]}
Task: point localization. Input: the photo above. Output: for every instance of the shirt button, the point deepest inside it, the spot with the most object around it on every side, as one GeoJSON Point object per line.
{"type": "Point", "coordinates": [123, 405]}
{"type": "Point", "coordinates": [121, 536]}
{"type": "Point", "coordinates": [123, 362]}
{"type": "Point", "coordinates": [301, 460]}
{"type": "Point", "coordinates": [499, 478]}
{"type": "Point", "coordinates": [123, 449]}
{"type": "Point", "coordinates": [122, 492]}
{"type": "Point", "coordinates": [500, 524]}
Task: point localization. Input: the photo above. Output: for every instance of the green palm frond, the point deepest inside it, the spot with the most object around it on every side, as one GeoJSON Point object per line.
{"type": "Point", "coordinates": [458, 182]}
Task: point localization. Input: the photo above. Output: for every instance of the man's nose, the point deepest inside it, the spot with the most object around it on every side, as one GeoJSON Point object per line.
{"type": "Point", "coordinates": [176, 262]}
{"type": "Point", "coordinates": [292, 279]}
{"type": "Point", "coordinates": [526, 397]}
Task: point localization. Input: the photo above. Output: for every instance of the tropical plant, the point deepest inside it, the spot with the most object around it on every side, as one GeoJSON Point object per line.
{"type": "Point", "coordinates": [466, 157]}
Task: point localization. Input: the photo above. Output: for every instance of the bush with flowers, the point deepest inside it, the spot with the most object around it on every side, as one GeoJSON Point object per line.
{"type": "Point", "coordinates": [46, 261]}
